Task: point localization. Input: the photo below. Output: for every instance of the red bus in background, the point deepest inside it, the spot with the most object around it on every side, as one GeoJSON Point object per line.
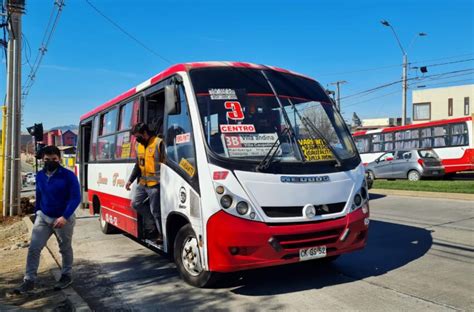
{"type": "Point", "coordinates": [452, 139]}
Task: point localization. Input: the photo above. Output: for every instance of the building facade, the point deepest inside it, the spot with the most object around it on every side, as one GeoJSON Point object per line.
{"type": "Point", "coordinates": [442, 103]}
{"type": "Point", "coordinates": [69, 138]}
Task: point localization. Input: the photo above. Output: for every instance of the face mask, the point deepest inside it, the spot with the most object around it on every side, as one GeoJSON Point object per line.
{"type": "Point", "coordinates": [51, 165]}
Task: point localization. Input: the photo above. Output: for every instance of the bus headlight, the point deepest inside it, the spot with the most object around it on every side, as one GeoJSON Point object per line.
{"type": "Point", "coordinates": [220, 190]}
{"type": "Point", "coordinates": [242, 208]}
{"type": "Point", "coordinates": [226, 201]}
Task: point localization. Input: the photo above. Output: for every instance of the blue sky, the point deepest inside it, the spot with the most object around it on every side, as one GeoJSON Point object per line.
{"type": "Point", "coordinates": [89, 61]}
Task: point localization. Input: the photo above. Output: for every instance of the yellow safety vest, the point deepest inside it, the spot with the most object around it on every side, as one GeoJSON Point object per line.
{"type": "Point", "coordinates": [149, 161]}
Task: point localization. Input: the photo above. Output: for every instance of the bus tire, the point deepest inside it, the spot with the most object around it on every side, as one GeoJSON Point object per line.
{"type": "Point", "coordinates": [106, 227]}
{"type": "Point", "coordinates": [413, 175]}
{"type": "Point", "coordinates": [188, 260]}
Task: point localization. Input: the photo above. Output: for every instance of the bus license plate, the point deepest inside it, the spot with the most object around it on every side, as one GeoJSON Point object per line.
{"type": "Point", "coordinates": [435, 172]}
{"type": "Point", "coordinates": [312, 253]}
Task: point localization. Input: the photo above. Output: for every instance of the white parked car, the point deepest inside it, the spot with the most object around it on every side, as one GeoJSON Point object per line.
{"type": "Point", "coordinates": [31, 178]}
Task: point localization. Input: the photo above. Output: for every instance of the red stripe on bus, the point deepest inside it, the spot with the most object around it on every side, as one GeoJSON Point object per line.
{"type": "Point", "coordinates": [119, 207]}
{"type": "Point", "coordinates": [177, 68]}
{"type": "Point", "coordinates": [465, 163]}
{"type": "Point", "coordinates": [427, 124]}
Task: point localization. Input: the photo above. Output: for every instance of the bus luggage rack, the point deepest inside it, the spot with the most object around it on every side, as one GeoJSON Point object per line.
{"type": "Point", "coordinates": [297, 241]}
{"type": "Point", "coordinates": [297, 211]}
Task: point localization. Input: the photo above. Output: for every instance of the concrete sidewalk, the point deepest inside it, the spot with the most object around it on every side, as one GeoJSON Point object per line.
{"type": "Point", "coordinates": [431, 195]}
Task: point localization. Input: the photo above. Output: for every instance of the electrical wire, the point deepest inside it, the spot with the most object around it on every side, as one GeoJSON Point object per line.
{"type": "Point", "coordinates": [143, 45]}
{"type": "Point", "coordinates": [443, 83]}
{"type": "Point", "coordinates": [371, 90]}
{"type": "Point", "coordinates": [48, 33]}
{"type": "Point", "coordinates": [447, 63]}
{"type": "Point", "coordinates": [399, 65]}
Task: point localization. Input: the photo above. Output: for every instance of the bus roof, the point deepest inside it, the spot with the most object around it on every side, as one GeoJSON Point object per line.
{"type": "Point", "coordinates": [413, 126]}
{"type": "Point", "coordinates": [179, 68]}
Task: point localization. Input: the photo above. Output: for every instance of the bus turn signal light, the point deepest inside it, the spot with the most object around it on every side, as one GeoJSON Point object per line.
{"type": "Point", "coordinates": [220, 175]}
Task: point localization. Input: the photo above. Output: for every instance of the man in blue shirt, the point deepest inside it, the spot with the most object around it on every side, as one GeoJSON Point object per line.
{"type": "Point", "coordinates": [57, 197]}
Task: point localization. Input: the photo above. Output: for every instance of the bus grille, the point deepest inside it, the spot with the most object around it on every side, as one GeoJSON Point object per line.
{"type": "Point", "coordinates": [312, 239]}
{"type": "Point", "coordinates": [297, 211]}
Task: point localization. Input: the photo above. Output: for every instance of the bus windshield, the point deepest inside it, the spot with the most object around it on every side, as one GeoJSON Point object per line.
{"type": "Point", "coordinates": [249, 114]}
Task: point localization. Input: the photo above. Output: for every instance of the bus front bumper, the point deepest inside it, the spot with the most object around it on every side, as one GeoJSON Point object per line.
{"type": "Point", "coordinates": [238, 244]}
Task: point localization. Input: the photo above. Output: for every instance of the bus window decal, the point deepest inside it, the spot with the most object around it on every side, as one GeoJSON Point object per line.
{"type": "Point", "coordinates": [222, 94]}
{"type": "Point", "coordinates": [236, 112]}
{"type": "Point", "coordinates": [187, 167]}
{"type": "Point", "coordinates": [237, 128]}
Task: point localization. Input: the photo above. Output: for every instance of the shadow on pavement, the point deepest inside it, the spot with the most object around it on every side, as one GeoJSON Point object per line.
{"type": "Point", "coordinates": [390, 246]}
{"type": "Point", "coordinates": [148, 279]}
{"type": "Point", "coordinates": [374, 196]}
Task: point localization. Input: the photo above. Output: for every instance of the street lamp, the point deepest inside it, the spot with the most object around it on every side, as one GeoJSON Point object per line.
{"type": "Point", "coordinates": [405, 67]}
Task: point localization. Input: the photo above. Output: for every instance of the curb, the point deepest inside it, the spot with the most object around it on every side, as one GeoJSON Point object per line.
{"type": "Point", "coordinates": [435, 195]}
{"type": "Point", "coordinates": [71, 295]}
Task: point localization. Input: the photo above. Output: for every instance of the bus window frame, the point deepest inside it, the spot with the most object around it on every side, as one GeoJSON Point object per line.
{"type": "Point", "coordinates": [194, 180]}
{"type": "Point", "coordinates": [420, 138]}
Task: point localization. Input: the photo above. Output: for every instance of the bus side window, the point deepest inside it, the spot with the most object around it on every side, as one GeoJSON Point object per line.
{"type": "Point", "coordinates": [179, 139]}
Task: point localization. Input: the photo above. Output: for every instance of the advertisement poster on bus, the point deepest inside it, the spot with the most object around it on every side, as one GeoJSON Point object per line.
{"type": "Point", "coordinates": [248, 144]}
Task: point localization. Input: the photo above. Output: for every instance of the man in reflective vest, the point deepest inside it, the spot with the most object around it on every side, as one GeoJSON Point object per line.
{"type": "Point", "coordinates": [147, 169]}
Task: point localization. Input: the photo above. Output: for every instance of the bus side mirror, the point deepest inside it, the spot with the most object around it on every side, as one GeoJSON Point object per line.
{"type": "Point", "coordinates": [171, 100]}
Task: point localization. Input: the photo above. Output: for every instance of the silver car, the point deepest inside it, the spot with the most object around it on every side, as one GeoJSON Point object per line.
{"type": "Point", "coordinates": [406, 164]}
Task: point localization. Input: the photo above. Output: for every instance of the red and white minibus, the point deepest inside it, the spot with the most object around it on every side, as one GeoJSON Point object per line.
{"type": "Point", "coordinates": [452, 139]}
{"type": "Point", "coordinates": [259, 169]}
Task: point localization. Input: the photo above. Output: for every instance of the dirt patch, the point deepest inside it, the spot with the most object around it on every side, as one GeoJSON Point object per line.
{"type": "Point", "coordinates": [14, 240]}
{"type": "Point", "coordinates": [13, 234]}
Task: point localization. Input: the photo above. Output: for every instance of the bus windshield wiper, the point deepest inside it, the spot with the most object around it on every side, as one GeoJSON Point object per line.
{"type": "Point", "coordinates": [289, 126]}
{"type": "Point", "coordinates": [311, 127]}
{"type": "Point", "coordinates": [267, 160]}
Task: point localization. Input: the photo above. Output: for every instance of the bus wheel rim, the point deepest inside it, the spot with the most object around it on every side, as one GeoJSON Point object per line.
{"type": "Point", "coordinates": [103, 223]}
{"type": "Point", "coordinates": [191, 257]}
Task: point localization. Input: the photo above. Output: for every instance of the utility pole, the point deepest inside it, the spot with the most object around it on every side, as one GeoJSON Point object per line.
{"type": "Point", "coordinates": [404, 89]}
{"type": "Point", "coordinates": [8, 126]}
{"type": "Point", "coordinates": [338, 92]}
{"type": "Point", "coordinates": [12, 185]}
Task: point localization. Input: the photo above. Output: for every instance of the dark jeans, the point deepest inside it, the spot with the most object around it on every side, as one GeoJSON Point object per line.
{"type": "Point", "coordinates": [150, 210]}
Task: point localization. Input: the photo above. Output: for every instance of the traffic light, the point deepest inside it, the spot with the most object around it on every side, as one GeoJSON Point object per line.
{"type": "Point", "coordinates": [36, 131]}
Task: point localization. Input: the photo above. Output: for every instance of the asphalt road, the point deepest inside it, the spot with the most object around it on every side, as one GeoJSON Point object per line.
{"type": "Point", "coordinates": [419, 257]}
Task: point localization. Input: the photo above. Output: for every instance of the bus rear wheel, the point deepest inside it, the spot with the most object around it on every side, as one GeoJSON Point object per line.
{"type": "Point", "coordinates": [188, 260]}
{"type": "Point", "coordinates": [106, 227]}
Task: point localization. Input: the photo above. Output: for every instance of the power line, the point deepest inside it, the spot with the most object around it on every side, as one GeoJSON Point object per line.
{"type": "Point", "coordinates": [397, 65]}
{"type": "Point", "coordinates": [127, 33]}
{"type": "Point", "coordinates": [371, 99]}
{"type": "Point", "coordinates": [371, 90]}
{"type": "Point", "coordinates": [443, 58]}
{"type": "Point", "coordinates": [447, 63]}
{"type": "Point", "coordinates": [443, 83]}
{"type": "Point", "coordinates": [48, 34]}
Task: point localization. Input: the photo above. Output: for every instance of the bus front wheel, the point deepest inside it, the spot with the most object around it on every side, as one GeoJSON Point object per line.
{"type": "Point", "coordinates": [187, 257]}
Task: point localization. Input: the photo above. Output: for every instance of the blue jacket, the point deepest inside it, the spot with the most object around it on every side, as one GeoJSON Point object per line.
{"type": "Point", "coordinates": [58, 195]}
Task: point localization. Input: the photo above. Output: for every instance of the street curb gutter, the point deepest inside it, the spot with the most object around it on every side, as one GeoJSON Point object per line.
{"type": "Point", "coordinates": [71, 295]}
{"type": "Point", "coordinates": [438, 195]}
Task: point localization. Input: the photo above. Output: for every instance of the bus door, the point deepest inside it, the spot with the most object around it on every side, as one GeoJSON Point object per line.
{"type": "Point", "coordinates": [84, 154]}
{"type": "Point", "coordinates": [180, 197]}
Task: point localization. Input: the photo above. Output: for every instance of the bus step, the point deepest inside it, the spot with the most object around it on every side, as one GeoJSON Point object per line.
{"type": "Point", "coordinates": [154, 244]}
